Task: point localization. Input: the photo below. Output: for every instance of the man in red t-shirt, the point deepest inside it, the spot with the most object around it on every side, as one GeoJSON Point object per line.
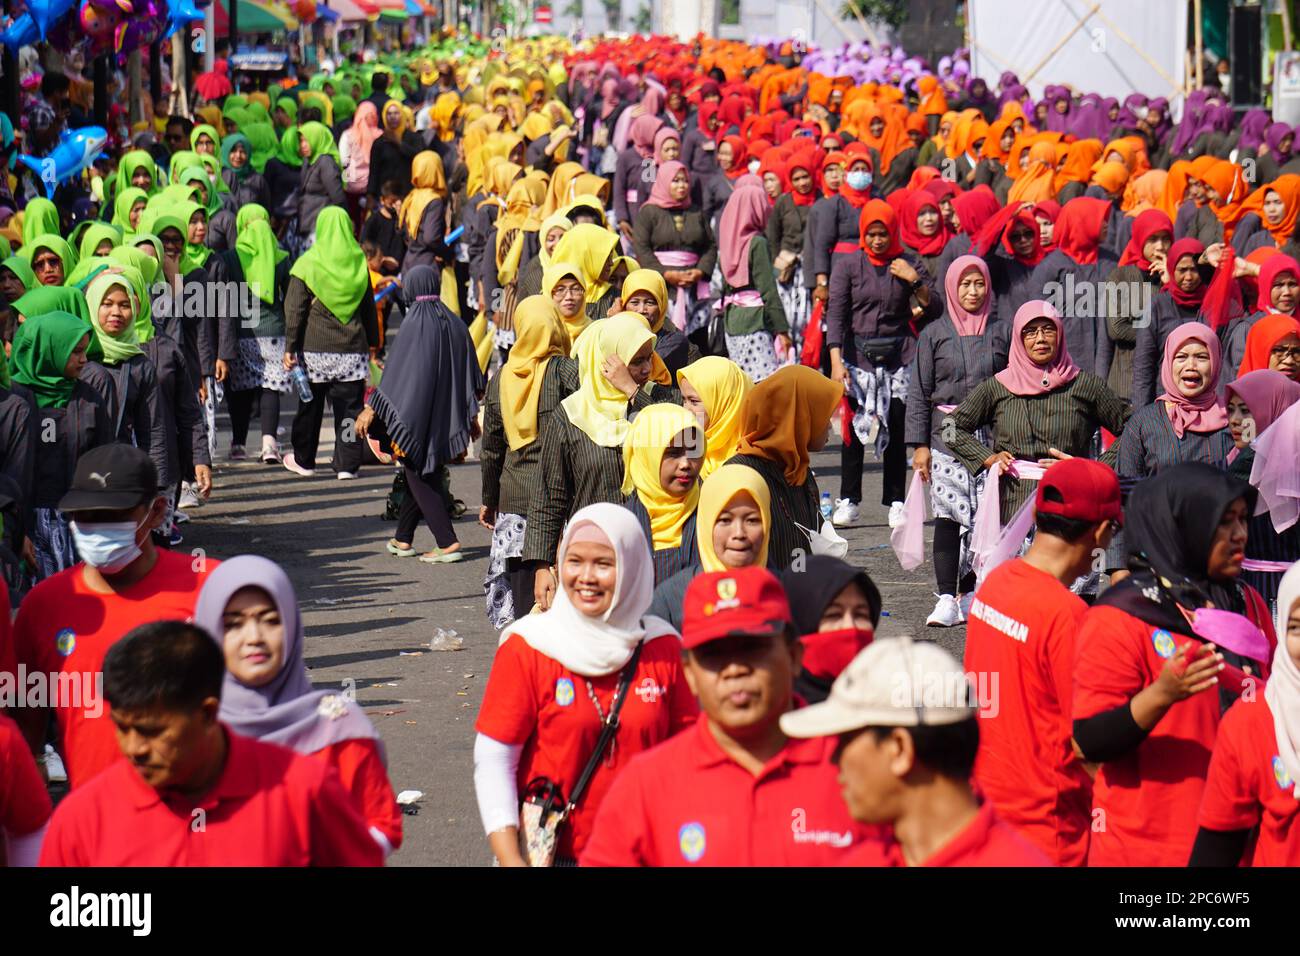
{"type": "Point", "coordinates": [1020, 650]}
{"type": "Point", "coordinates": [24, 802]}
{"type": "Point", "coordinates": [905, 718]}
{"type": "Point", "coordinates": [186, 790]}
{"type": "Point", "coordinates": [68, 621]}
{"type": "Point", "coordinates": [733, 790]}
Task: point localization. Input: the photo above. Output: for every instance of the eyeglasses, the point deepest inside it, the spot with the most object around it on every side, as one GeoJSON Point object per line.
{"type": "Point", "coordinates": [1281, 352]}
{"type": "Point", "coordinates": [1043, 332]}
{"type": "Point", "coordinates": [570, 292]}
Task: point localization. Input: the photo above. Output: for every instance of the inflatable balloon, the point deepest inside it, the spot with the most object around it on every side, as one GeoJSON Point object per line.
{"type": "Point", "coordinates": [46, 13]}
{"type": "Point", "coordinates": [77, 150]}
{"type": "Point", "coordinates": [99, 22]}
{"type": "Point", "coordinates": [22, 32]}
{"type": "Point", "coordinates": [181, 13]}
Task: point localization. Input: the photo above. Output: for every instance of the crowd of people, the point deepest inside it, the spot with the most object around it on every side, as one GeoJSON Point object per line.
{"type": "Point", "coordinates": [643, 283]}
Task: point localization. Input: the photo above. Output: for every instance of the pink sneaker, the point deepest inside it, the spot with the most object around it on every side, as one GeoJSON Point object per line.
{"type": "Point", "coordinates": [292, 465]}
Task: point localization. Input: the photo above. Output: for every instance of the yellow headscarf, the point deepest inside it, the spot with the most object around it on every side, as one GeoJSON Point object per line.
{"type": "Point", "coordinates": [715, 495]}
{"type": "Point", "coordinates": [655, 430]}
{"type": "Point", "coordinates": [551, 275]}
{"type": "Point", "coordinates": [589, 184]}
{"type": "Point", "coordinates": [525, 196]}
{"type": "Point", "coordinates": [589, 247]}
{"type": "Point", "coordinates": [539, 337]}
{"type": "Point", "coordinates": [403, 124]}
{"type": "Point", "coordinates": [500, 177]}
{"type": "Point", "coordinates": [651, 282]}
{"type": "Point", "coordinates": [429, 184]}
{"type": "Point", "coordinates": [560, 191]}
{"type": "Point", "coordinates": [557, 221]}
{"type": "Point", "coordinates": [597, 408]}
{"type": "Point", "coordinates": [444, 111]}
{"type": "Point", "coordinates": [535, 126]}
{"type": "Point", "coordinates": [722, 385]}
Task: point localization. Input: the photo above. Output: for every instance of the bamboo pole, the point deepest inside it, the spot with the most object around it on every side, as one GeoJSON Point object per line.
{"type": "Point", "coordinates": [821, 4]}
{"type": "Point", "coordinates": [1173, 85]}
{"type": "Point", "coordinates": [862, 21]}
{"type": "Point", "coordinates": [1200, 44]}
{"type": "Point", "coordinates": [1286, 24]}
{"type": "Point", "coordinates": [1061, 43]}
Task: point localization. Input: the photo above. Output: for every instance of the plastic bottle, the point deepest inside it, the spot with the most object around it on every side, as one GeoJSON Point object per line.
{"type": "Point", "coordinates": [827, 506]}
{"type": "Point", "coordinates": [446, 640]}
{"type": "Point", "coordinates": [301, 382]}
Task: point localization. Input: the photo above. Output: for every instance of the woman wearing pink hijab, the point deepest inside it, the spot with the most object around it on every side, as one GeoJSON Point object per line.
{"type": "Point", "coordinates": [635, 172]}
{"type": "Point", "coordinates": [672, 236]}
{"type": "Point", "coordinates": [954, 353]}
{"type": "Point", "coordinates": [354, 150]}
{"type": "Point", "coordinates": [755, 327]}
{"type": "Point", "coordinates": [1039, 409]}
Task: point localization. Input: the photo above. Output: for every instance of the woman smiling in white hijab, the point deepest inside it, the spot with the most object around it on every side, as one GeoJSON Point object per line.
{"type": "Point", "coordinates": [556, 676]}
{"type": "Point", "coordinates": [1254, 776]}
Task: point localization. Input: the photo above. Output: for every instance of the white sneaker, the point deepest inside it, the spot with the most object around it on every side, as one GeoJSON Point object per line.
{"type": "Point", "coordinates": [347, 475]}
{"type": "Point", "coordinates": [964, 602]}
{"type": "Point", "coordinates": [292, 465]}
{"type": "Point", "coordinates": [947, 613]}
{"type": "Point", "coordinates": [896, 515]}
{"type": "Point", "coordinates": [189, 498]}
{"type": "Point", "coordinates": [846, 512]}
{"type": "Point", "coordinates": [270, 450]}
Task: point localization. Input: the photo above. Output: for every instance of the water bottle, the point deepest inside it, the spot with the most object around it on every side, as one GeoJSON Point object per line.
{"type": "Point", "coordinates": [300, 380]}
{"type": "Point", "coordinates": [827, 506]}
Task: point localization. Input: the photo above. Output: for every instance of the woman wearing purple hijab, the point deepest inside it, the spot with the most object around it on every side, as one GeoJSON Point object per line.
{"type": "Point", "coordinates": [249, 607]}
{"type": "Point", "coordinates": [1275, 152]}
{"type": "Point", "coordinates": [1088, 120]}
{"type": "Point", "coordinates": [1059, 105]}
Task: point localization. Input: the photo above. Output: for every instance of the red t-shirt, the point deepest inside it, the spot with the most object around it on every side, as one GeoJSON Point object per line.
{"type": "Point", "coordinates": [65, 628]}
{"type": "Point", "coordinates": [24, 802]}
{"type": "Point", "coordinates": [270, 807]}
{"type": "Point", "coordinates": [1020, 633]}
{"type": "Point", "coordinates": [985, 841]}
{"type": "Point", "coordinates": [1248, 784]}
{"type": "Point", "coordinates": [534, 700]}
{"type": "Point", "coordinates": [365, 778]}
{"type": "Point", "coordinates": [1145, 802]}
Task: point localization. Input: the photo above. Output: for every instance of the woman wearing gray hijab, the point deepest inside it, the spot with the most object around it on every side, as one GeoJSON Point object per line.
{"type": "Point", "coordinates": [249, 607]}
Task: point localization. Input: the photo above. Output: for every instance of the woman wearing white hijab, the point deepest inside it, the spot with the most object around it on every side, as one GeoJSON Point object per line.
{"type": "Point", "coordinates": [556, 674]}
{"type": "Point", "coordinates": [1253, 785]}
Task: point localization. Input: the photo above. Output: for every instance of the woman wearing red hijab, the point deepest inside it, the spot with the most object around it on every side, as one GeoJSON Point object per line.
{"type": "Point", "coordinates": [1070, 276]}
{"type": "Point", "coordinates": [1016, 231]}
{"type": "Point", "coordinates": [1279, 291]}
{"type": "Point", "coordinates": [1129, 290]}
{"type": "Point", "coordinates": [757, 333]}
{"type": "Point", "coordinates": [1046, 214]}
{"type": "Point", "coordinates": [923, 229]}
{"type": "Point", "coordinates": [834, 228]}
{"type": "Point", "coordinates": [871, 324]}
{"type": "Point", "coordinates": [700, 143]}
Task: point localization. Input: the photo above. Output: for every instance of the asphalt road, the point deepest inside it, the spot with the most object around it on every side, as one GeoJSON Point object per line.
{"type": "Point", "coordinates": [370, 617]}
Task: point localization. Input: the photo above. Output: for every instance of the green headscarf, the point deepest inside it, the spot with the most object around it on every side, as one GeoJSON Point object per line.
{"type": "Point", "coordinates": [259, 253]}
{"type": "Point", "coordinates": [40, 218]}
{"type": "Point", "coordinates": [182, 161]}
{"type": "Point", "coordinates": [290, 107]}
{"type": "Point", "coordinates": [227, 147]}
{"type": "Point", "coordinates": [6, 247]}
{"type": "Point", "coordinates": [86, 270]}
{"type": "Point", "coordinates": [263, 144]}
{"type": "Point", "coordinates": [94, 235]}
{"type": "Point", "coordinates": [141, 238]}
{"type": "Point", "coordinates": [199, 131]}
{"type": "Point", "coordinates": [334, 268]}
{"type": "Point", "coordinates": [195, 255]}
{"type": "Point", "coordinates": [137, 258]}
{"type": "Point", "coordinates": [234, 99]}
{"type": "Point", "coordinates": [137, 159]}
{"type": "Point", "coordinates": [122, 207]}
{"type": "Point", "coordinates": [316, 82]}
{"type": "Point", "coordinates": [258, 112]}
{"type": "Point", "coordinates": [321, 141]}
{"type": "Point", "coordinates": [125, 344]}
{"type": "Point", "coordinates": [345, 107]}
{"type": "Point", "coordinates": [251, 212]}
{"type": "Point", "coordinates": [56, 244]}
{"type": "Point", "coordinates": [213, 165]}
{"type": "Point", "coordinates": [42, 346]}
{"type": "Point", "coordinates": [289, 147]}
{"type": "Point", "coordinates": [52, 298]}
{"type": "Point", "coordinates": [170, 196]}
{"type": "Point", "coordinates": [199, 175]}
{"type": "Point", "coordinates": [23, 270]}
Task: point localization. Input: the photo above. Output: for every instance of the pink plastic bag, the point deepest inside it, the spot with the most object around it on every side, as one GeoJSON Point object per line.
{"type": "Point", "coordinates": [1006, 542]}
{"type": "Point", "coordinates": [908, 539]}
{"type": "Point", "coordinates": [988, 524]}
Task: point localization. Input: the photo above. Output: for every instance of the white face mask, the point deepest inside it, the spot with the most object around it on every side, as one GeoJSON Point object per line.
{"type": "Point", "coordinates": [827, 541]}
{"type": "Point", "coordinates": [753, 165]}
{"type": "Point", "coordinates": [108, 546]}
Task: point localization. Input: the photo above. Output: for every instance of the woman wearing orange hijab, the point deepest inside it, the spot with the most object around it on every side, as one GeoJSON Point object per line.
{"type": "Point", "coordinates": [1225, 189]}
{"type": "Point", "coordinates": [1145, 192]}
{"type": "Point", "coordinates": [1111, 178]}
{"type": "Point", "coordinates": [1273, 342]}
{"type": "Point", "coordinates": [1072, 178]}
{"type": "Point", "coordinates": [1268, 216]}
{"type": "Point", "coordinates": [1035, 183]}
{"type": "Point", "coordinates": [995, 153]}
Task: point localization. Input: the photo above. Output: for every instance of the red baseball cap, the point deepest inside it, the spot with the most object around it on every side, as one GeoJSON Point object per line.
{"type": "Point", "coordinates": [1080, 488]}
{"type": "Point", "coordinates": [744, 601]}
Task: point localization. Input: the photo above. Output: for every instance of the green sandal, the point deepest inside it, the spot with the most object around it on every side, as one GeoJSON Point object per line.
{"type": "Point", "coordinates": [438, 556]}
{"type": "Point", "coordinates": [406, 552]}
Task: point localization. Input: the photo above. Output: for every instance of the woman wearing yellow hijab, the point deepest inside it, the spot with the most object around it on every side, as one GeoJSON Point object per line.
{"type": "Point", "coordinates": [661, 466]}
{"type": "Point", "coordinates": [646, 292]}
{"type": "Point", "coordinates": [733, 522]}
{"type": "Point", "coordinates": [560, 192]}
{"type": "Point", "coordinates": [593, 250]}
{"type": "Point", "coordinates": [529, 280]}
{"type": "Point", "coordinates": [518, 407]}
{"type": "Point", "coordinates": [445, 110]}
{"type": "Point", "coordinates": [518, 224]}
{"type": "Point", "coordinates": [713, 390]}
{"type": "Point", "coordinates": [423, 214]}
{"type": "Point", "coordinates": [563, 284]}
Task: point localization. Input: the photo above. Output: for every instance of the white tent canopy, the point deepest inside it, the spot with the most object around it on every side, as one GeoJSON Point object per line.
{"type": "Point", "coordinates": [1111, 47]}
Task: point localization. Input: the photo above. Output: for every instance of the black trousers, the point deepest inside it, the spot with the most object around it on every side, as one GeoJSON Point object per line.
{"type": "Point", "coordinates": [895, 463]}
{"type": "Point", "coordinates": [241, 412]}
{"type": "Point", "coordinates": [521, 585]}
{"type": "Point", "coordinates": [347, 399]}
{"type": "Point", "coordinates": [423, 499]}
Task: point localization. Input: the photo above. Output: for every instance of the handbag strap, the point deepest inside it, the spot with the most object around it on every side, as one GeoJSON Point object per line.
{"type": "Point", "coordinates": [607, 732]}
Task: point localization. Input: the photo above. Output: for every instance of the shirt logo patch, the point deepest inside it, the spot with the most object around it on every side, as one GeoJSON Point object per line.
{"type": "Point", "coordinates": [649, 691]}
{"type": "Point", "coordinates": [65, 642]}
{"type": "Point", "coordinates": [690, 839]}
{"type": "Point", "coordinates": [564, 692]}
{"type": "Point", "coordinates": [1163, 642]}
{"type": "Point", "coordinates": [1281, 776]}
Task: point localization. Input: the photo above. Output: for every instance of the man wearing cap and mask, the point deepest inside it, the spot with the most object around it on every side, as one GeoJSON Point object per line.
{"type": "Point", "coordinates": [905, 718]}
{"type": "Point", "coordinates": [1022, 627]}
{"type": "Point", "coordinates": [68, 622]}
{"type": "Point", "coordinates": [733, 790]}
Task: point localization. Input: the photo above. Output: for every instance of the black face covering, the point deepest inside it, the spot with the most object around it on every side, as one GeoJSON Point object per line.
{"type": "Point", "coordinates": [821, 579]}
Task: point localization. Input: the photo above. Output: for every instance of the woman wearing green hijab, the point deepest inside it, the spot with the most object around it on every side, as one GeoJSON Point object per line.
{"type": "Point", "coordinates": [53, 298]}
{"type": "Point", "coordinates": [264, 143]}
{"type": "Point", "coordinates": [127, 208]}
{"type": "Point", "coordinates": [49, 360]}
{"type": "Point", "coordinates": [253, 351]}
{"type": "Point", "coordinates": [137, 168]}
{"type": "Point", "coordinates": [51, 258]}
{"type": "Point", "coordinates": [285, 114]}
{"type": "Point", "coordinates": [330, 322]}
{"type": "Point", "coordinates": [320, 184]}
{"type": "Point", "coordinates": [244, 183]}
{"type": "Point", "coordinates": [16, 278]}
{"type": "Point", "coordinates": [180, 162]}
{"type": "Point", "coordinates": [205, 139]}
{"type": "Point", "coordinates": [205, 192]}
{"type": "Point", "coordinates": [40, 218]}
{"type": "Point", "coordinates": [97, 240]}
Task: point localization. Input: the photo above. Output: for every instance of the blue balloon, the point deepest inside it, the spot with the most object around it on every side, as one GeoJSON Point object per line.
{"type": "Point", "coordinates": [77, 149]}
{"type": "Point", "coordinates": [22, 32]}
{"type": "Point", "coordinates": [47, 13]}
{"type": "Point", "coordinates": [181, 13]}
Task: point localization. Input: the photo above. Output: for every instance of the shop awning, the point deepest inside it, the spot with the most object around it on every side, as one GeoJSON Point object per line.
{"type": "Point", "coordinates": [255, 17]}
{"type": "Point", "coordinates": [326, 13]}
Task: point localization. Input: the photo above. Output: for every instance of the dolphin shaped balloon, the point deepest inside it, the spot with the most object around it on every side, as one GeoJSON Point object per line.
{"type": "Point", "coordinates": [77, 149]}
{"type": "Point", "coordinates": [46, 13]}
{"type": "Point", "coordinates": [22, 32]}
{"type": "Point", "coordinates": [181, 13]}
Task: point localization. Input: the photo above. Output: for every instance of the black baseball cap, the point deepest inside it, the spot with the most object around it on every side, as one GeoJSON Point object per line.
{"type": "Point", "coordinates": [111, 478]}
